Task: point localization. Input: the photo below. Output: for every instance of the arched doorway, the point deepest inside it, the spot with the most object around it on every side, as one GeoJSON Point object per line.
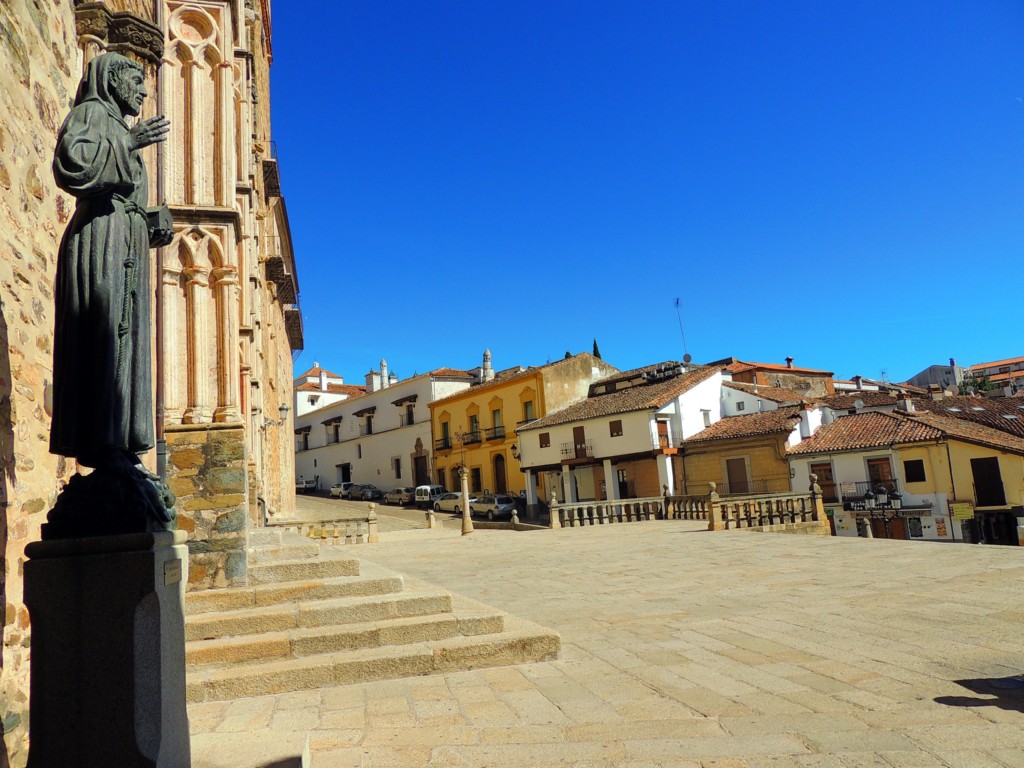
{"type": "Point", "coordinates": [500, 486]}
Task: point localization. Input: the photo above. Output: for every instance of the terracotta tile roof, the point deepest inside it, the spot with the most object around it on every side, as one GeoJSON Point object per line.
{"type": "Point", "coordinates": [775, 394]}
{"type": "Point", "coordinates": [972, 432]}
{"type": "Point", "coordinates": [749, 425]}
{"type": "Point", "coordinates": [994, 363]}
{"type": "Point", "coordinates": [866, 430]}
{"type": "Point", "coordinates": [870, 399]}
{"type": "Point", "coordinates": [877, 430]}
{"type": "Point", "coordinates": [315, 372]}
{"type": "Point", "coordinates": [1002, 413]}
{"type": "Point", "coordinates": [641, 397]}
{"type": "Point", "coordinates": [353, 390]}
{"type": "Point", "coordinates": [637, 372]}
{"type": "Point", "coordinates": [740, 366]}
{"type": "Point", "coordinates": [451, 373]}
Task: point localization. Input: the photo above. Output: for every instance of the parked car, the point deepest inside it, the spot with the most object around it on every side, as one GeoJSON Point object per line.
{"type": "Point", "coordinates": [302, 485]}
{"type": "Point", "coordinates": [426, 495]}
{"type": "Point", "coordinates": [492, 506]}
{"type": "Point", "coordinates": [451, 502]}
{"type": "Point", "coordinates": [365, 492]}
{"type": "Point", "coordinates": [400, 496]}
{"type": "Point", "coordinates": [340, 490]}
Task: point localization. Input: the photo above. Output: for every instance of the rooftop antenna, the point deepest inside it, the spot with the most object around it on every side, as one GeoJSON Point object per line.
{"type": "Point", "coordinates": [679, 317]}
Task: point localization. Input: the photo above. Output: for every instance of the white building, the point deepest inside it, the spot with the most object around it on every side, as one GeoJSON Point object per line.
{"type": "Point", "coordinates": [379, 436]}
{"type": "Point", "coordinates": [620, 441]}
{"type": "Point", "coordinates": [318, 387]}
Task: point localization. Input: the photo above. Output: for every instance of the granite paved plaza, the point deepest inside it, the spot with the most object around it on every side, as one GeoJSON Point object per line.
{"type": "Point", "coordinates": [687, 648]}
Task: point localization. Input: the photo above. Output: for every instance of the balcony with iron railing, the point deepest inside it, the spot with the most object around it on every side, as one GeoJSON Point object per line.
{"type": "Point", "coordinates": [443, 444]}
{"type": "Point", "coordinates": [470, 438]}
{"type": "Point", "coordinates": [858, 491]}
{"type": "Point", "coordinates": [495, 433]}
{"type": "Point", "coordinates": [577, 450]}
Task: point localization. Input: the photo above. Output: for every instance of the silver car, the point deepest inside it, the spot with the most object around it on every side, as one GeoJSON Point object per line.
{"type": "Point", "coordinates": [492, 506]}
{"type": "Point", "coordinates": [451, 502]}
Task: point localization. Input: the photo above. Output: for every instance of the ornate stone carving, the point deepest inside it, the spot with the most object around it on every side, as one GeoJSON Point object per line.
{"type": "Point", "coordinates": [122, 32]}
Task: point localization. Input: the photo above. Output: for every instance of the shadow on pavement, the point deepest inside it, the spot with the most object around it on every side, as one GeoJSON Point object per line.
{"type": "Point", "coordinates": [288, 762]}
{"type": "Point", "coordinates": [1004, 692]}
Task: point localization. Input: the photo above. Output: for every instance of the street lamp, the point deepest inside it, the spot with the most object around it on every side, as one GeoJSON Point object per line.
{"type": "Point", "coordinates": [282, 411]}
{"type": "Point", "coordinates": [884, 505]}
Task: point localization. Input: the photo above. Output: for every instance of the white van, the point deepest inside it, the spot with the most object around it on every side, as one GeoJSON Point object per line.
{"type": "Point", "coordinates": [426, 495]}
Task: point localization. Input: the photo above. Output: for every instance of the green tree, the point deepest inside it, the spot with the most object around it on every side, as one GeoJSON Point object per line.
{"type": "Point", "coordinates": [597, 352]}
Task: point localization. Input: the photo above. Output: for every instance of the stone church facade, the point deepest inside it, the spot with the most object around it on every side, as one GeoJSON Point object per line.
{"type": "Point", "coordinates": [227, 316]}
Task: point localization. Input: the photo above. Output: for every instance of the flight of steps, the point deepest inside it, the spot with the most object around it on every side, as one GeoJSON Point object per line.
{"type": "Point", "coordinates": [315, 616]}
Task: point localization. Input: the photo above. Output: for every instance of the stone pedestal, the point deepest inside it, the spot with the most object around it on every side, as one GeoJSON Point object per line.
{"type": "Point", "coordinates": [108, 651]}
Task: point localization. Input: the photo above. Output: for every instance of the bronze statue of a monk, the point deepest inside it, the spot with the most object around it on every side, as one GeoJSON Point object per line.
{"type": "Point", "coordinates": [102, 389]}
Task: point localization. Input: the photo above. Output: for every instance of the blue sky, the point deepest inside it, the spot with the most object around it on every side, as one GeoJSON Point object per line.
{"type": "Point", "coordinates": [840, 182]}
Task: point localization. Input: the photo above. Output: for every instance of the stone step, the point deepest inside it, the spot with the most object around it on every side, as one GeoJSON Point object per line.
{"type": "Point", "coordinates": [237, 598]}
{"type": "Point", "coordinates": [419, 601]}
{"type": "Point", "coordinates": [520, 642]}
{"type": "Point", "coordinates": [322, 567]}
{"type": "Point", "coordinates": [291, 551]}
{"type": "Point", "coordinates": [329, 639]}
{"type": "Point", "coordinates": [264, 537]}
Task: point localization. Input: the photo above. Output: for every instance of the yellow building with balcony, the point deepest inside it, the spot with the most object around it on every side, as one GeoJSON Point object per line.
{"type": "Point", "coordinates": [477, 427]}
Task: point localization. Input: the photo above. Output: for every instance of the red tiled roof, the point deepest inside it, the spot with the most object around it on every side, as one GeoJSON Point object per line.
{"type": "Point", "coordinates": [637, 372]}
{"type": "Point", "coordinates": [869, 399]}
{"type": "Point", "coordinates": [972, 432]}
{"type": "Point", "coordinates": [352, 390]}
{"type": "Point", "coordinates": [452, 373]}
{"type": "Point", "coordinates": [1003, 413]}
{"type": "Point", "coordinates": [775, 394]}
{"type": "Point", "coordinates": [994, 363]}
{"type": "Point", "coordinates": [641, 397]}
{"type": "Point", "coordinates": [866, 430]}
{"type": "Point", "coordinates": [877, 430]}
{"type": "Point", "coordinates": [749, 425]}
{"type": "Point", "coordinates": [315, 372]}
{"type": "Point", "coordinates": [740, 366]}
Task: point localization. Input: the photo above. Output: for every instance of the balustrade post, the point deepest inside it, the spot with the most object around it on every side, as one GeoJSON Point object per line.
{"type": "Point", "coordinates": [553, 508]}
{"type": "Point", "coordinates": [818, 506]}
{"type": "Point", "coordinates": [715, 521]}
{"type": "Point", "coordinates": [372, 536]}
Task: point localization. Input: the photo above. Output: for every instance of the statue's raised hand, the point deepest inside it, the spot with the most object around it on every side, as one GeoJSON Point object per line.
{"type": "Point", "coordinates": [146, 132]}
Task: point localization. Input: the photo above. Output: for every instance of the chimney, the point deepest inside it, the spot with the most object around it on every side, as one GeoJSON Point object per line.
{"type": "Point", "coordinates": [859, 381]}
{"type": "Point", "coordinates": [384, 380]}
{"type": "Point", "coordinates": [935, 392]}
{"type": "Point", "coordinates": [905, 403]}
{"type": "Point", "coordinates": [789, 362]}
{"type": "Point", "coordinates": [806, 429]}
{"type": "Point", "coordinates": [323, 380]}
{"type": "Point", "coordinates": [952, 362]}
{"type": "Point", "coordinates": [487, 371]}
{"type": "Point", "coordinates": [372, 381]}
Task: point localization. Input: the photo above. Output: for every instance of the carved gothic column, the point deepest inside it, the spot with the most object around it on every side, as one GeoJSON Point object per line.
{"type": "Point", "coordinates": [225, 283]}
{"type": "Point", "coordinates": [197, 302]}
{"type": "Point", "coordinates": [175, 362]}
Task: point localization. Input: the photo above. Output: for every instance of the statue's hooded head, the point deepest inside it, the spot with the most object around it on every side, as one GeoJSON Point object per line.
{"type": "Point", "coordinates": [115, 81]}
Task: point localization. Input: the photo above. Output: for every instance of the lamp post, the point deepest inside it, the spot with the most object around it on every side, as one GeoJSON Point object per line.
{"type": "Point", "coordinates": [884, 505]}
{"type": "Point", "coordinates": [467, 518]}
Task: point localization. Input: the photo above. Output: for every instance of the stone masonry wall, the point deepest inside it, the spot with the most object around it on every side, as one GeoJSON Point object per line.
{"type": "Point", "coordinates": [39, 67]}
{"type": "Point", "coordinates": [206, 471]}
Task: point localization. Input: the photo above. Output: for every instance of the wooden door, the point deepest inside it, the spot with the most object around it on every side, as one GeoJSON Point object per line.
{"type": "Point", "coordinates": [736, 471]}
{"type": "Point", "coordinates": [579, 439]}
{"type": "Point", "coordinates": [500, 485]}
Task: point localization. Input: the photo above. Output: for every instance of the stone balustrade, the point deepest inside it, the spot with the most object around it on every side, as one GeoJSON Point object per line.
{"type": "Point", "coordinates": [343, 530]}
{"type": "Point", "coordinates": [576, 514]}
{"type": "Point", "coordinates": [790, 511]}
